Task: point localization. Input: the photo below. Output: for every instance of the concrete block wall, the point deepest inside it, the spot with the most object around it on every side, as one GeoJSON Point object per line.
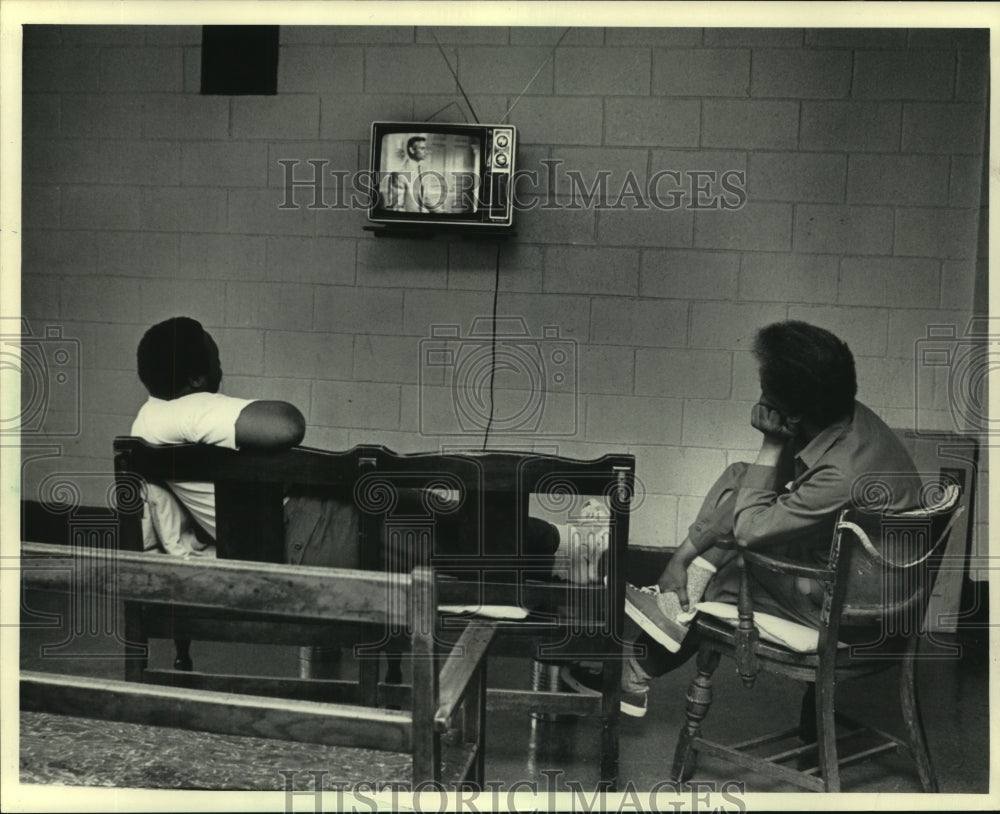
{"type": "Point", "coordinates": [863, 159]}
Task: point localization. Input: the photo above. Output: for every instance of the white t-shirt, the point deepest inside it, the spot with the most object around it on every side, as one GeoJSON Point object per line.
{"type": "Point", "coordinates": [199, 418]}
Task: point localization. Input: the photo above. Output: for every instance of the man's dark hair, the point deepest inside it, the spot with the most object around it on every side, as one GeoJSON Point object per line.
{"type": "Point", "coordinates": [413, 140]}
{"type": "Point", "coordinates": [170, 354]}
{"type": "Point", "coordinates": [808, 370]}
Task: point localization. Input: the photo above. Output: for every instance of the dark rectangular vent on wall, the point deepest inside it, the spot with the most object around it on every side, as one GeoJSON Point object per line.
{"type": "Point", "coordinates": [239, 60]}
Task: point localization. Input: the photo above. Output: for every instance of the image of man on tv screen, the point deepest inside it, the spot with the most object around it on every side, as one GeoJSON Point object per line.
{"type": "Point", "coordinates": [418, 183]}
{"type": "Point", "coordinates": [414, 186]}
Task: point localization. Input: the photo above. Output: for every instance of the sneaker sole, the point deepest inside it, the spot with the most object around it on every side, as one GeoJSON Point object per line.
{"type": "Point", "coordinates": [627, 708]}
{"type": "Point", "coordinates": [657, 633]}
{"type": "Point", "coordinates": [632, 710]}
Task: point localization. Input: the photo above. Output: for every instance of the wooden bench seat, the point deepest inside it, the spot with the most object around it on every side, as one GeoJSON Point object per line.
{"type": "Point", "coordinates": [448, 690]}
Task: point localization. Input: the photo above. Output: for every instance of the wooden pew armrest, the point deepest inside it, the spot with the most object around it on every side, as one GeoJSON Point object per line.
{"type": "Point", "coordinates": [465, 659]}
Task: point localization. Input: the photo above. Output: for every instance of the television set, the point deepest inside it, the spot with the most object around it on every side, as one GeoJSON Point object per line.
{"type": "Point", "coordinates": [437, 175]}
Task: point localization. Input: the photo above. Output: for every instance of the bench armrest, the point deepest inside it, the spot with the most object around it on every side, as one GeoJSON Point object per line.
{"type": "Point", "coordinates": [465, 659]}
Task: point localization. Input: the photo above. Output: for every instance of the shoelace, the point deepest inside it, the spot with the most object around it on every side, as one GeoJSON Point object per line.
{"type": "Point", "coordinates": [647, 589]}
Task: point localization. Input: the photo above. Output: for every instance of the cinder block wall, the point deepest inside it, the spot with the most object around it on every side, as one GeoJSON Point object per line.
{"type": "Point", "coordinates": [863, 159]}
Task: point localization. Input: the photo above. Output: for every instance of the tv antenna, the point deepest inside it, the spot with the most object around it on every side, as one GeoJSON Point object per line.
{"type": "Point", "coordinates": [443, 109]}
{"type": "Point", "coordinates": [454, 73]}
{"type": "Point", "coordinates": [533, 78]}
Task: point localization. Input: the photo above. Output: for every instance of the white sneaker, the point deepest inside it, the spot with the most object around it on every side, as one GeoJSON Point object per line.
{"type": "Point", "coordinates": [656, 613]}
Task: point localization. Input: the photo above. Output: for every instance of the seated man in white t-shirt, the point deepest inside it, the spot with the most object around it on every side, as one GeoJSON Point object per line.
{"type": "Point", "coordinates": [178, 362]}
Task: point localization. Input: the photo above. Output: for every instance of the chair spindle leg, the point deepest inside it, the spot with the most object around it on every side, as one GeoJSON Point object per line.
{"type": "Point", "coordinates": [911, 716]}
{"type": "Point", "coordinates": [699, 698]}
{"type": "Point", "coordinates": [826, 728]}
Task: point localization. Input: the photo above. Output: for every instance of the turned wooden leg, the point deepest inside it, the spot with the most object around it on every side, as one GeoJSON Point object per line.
{"type": "Point", "coordinates": [699, 698]}
{"type": "Point", "coordinates": [182, 657]}
{"type": "Point", "coordinates": [911, 716]}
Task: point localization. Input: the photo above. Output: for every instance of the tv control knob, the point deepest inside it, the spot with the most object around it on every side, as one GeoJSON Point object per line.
{"type": "Point", "coordinates": [501, 159]}
{"type": "Point", "coordinates": [502, 140]}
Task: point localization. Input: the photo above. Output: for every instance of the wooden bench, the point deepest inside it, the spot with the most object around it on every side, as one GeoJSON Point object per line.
{"type": "Point", "coordinates": [448, 688]}
{"type": "Point", "coordinates": [476, 542]}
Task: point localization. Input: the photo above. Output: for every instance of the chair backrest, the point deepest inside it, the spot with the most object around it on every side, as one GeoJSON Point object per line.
{"type": "Point", "coordinates": [473, 527]}
{"type": "Point", "coordinates": [465, 512]}
{"type": "Point", "coordinates": [886, 562]}
{"type": "Point", "coordinates": [250, 487]}
{"type": "Point", "coordinates": [482, 502]}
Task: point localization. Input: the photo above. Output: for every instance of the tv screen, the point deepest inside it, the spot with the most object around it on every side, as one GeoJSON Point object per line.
{"type": "Point", "coordinates": [430, 173]}
{"type": "Point", "coordinates": [456, 174]}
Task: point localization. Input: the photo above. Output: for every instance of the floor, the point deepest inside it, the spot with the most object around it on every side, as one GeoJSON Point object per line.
{"type": "Point", "coordinates": [953, 692]}
{"type": "Point", "coordinates": [562, 756]}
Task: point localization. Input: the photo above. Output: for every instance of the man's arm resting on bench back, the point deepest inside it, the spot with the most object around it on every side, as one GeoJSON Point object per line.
{"type": "Point", "coordinates": [270, 425]}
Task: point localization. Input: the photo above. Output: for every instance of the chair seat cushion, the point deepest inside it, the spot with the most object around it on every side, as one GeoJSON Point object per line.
{"type": "Point", "coordinates": [797, 637]}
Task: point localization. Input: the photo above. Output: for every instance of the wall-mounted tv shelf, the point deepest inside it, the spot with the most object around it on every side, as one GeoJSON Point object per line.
{"type": "Point", "coordinates": [426, 232]}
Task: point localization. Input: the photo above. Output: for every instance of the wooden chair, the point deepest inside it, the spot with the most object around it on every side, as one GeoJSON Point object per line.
{"type": "Point", "coordinates": [448, 685]}
{"type": "Point", "coordinates": [881, 572]}
{"type": "Point", "coordinates": [479, 543]}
